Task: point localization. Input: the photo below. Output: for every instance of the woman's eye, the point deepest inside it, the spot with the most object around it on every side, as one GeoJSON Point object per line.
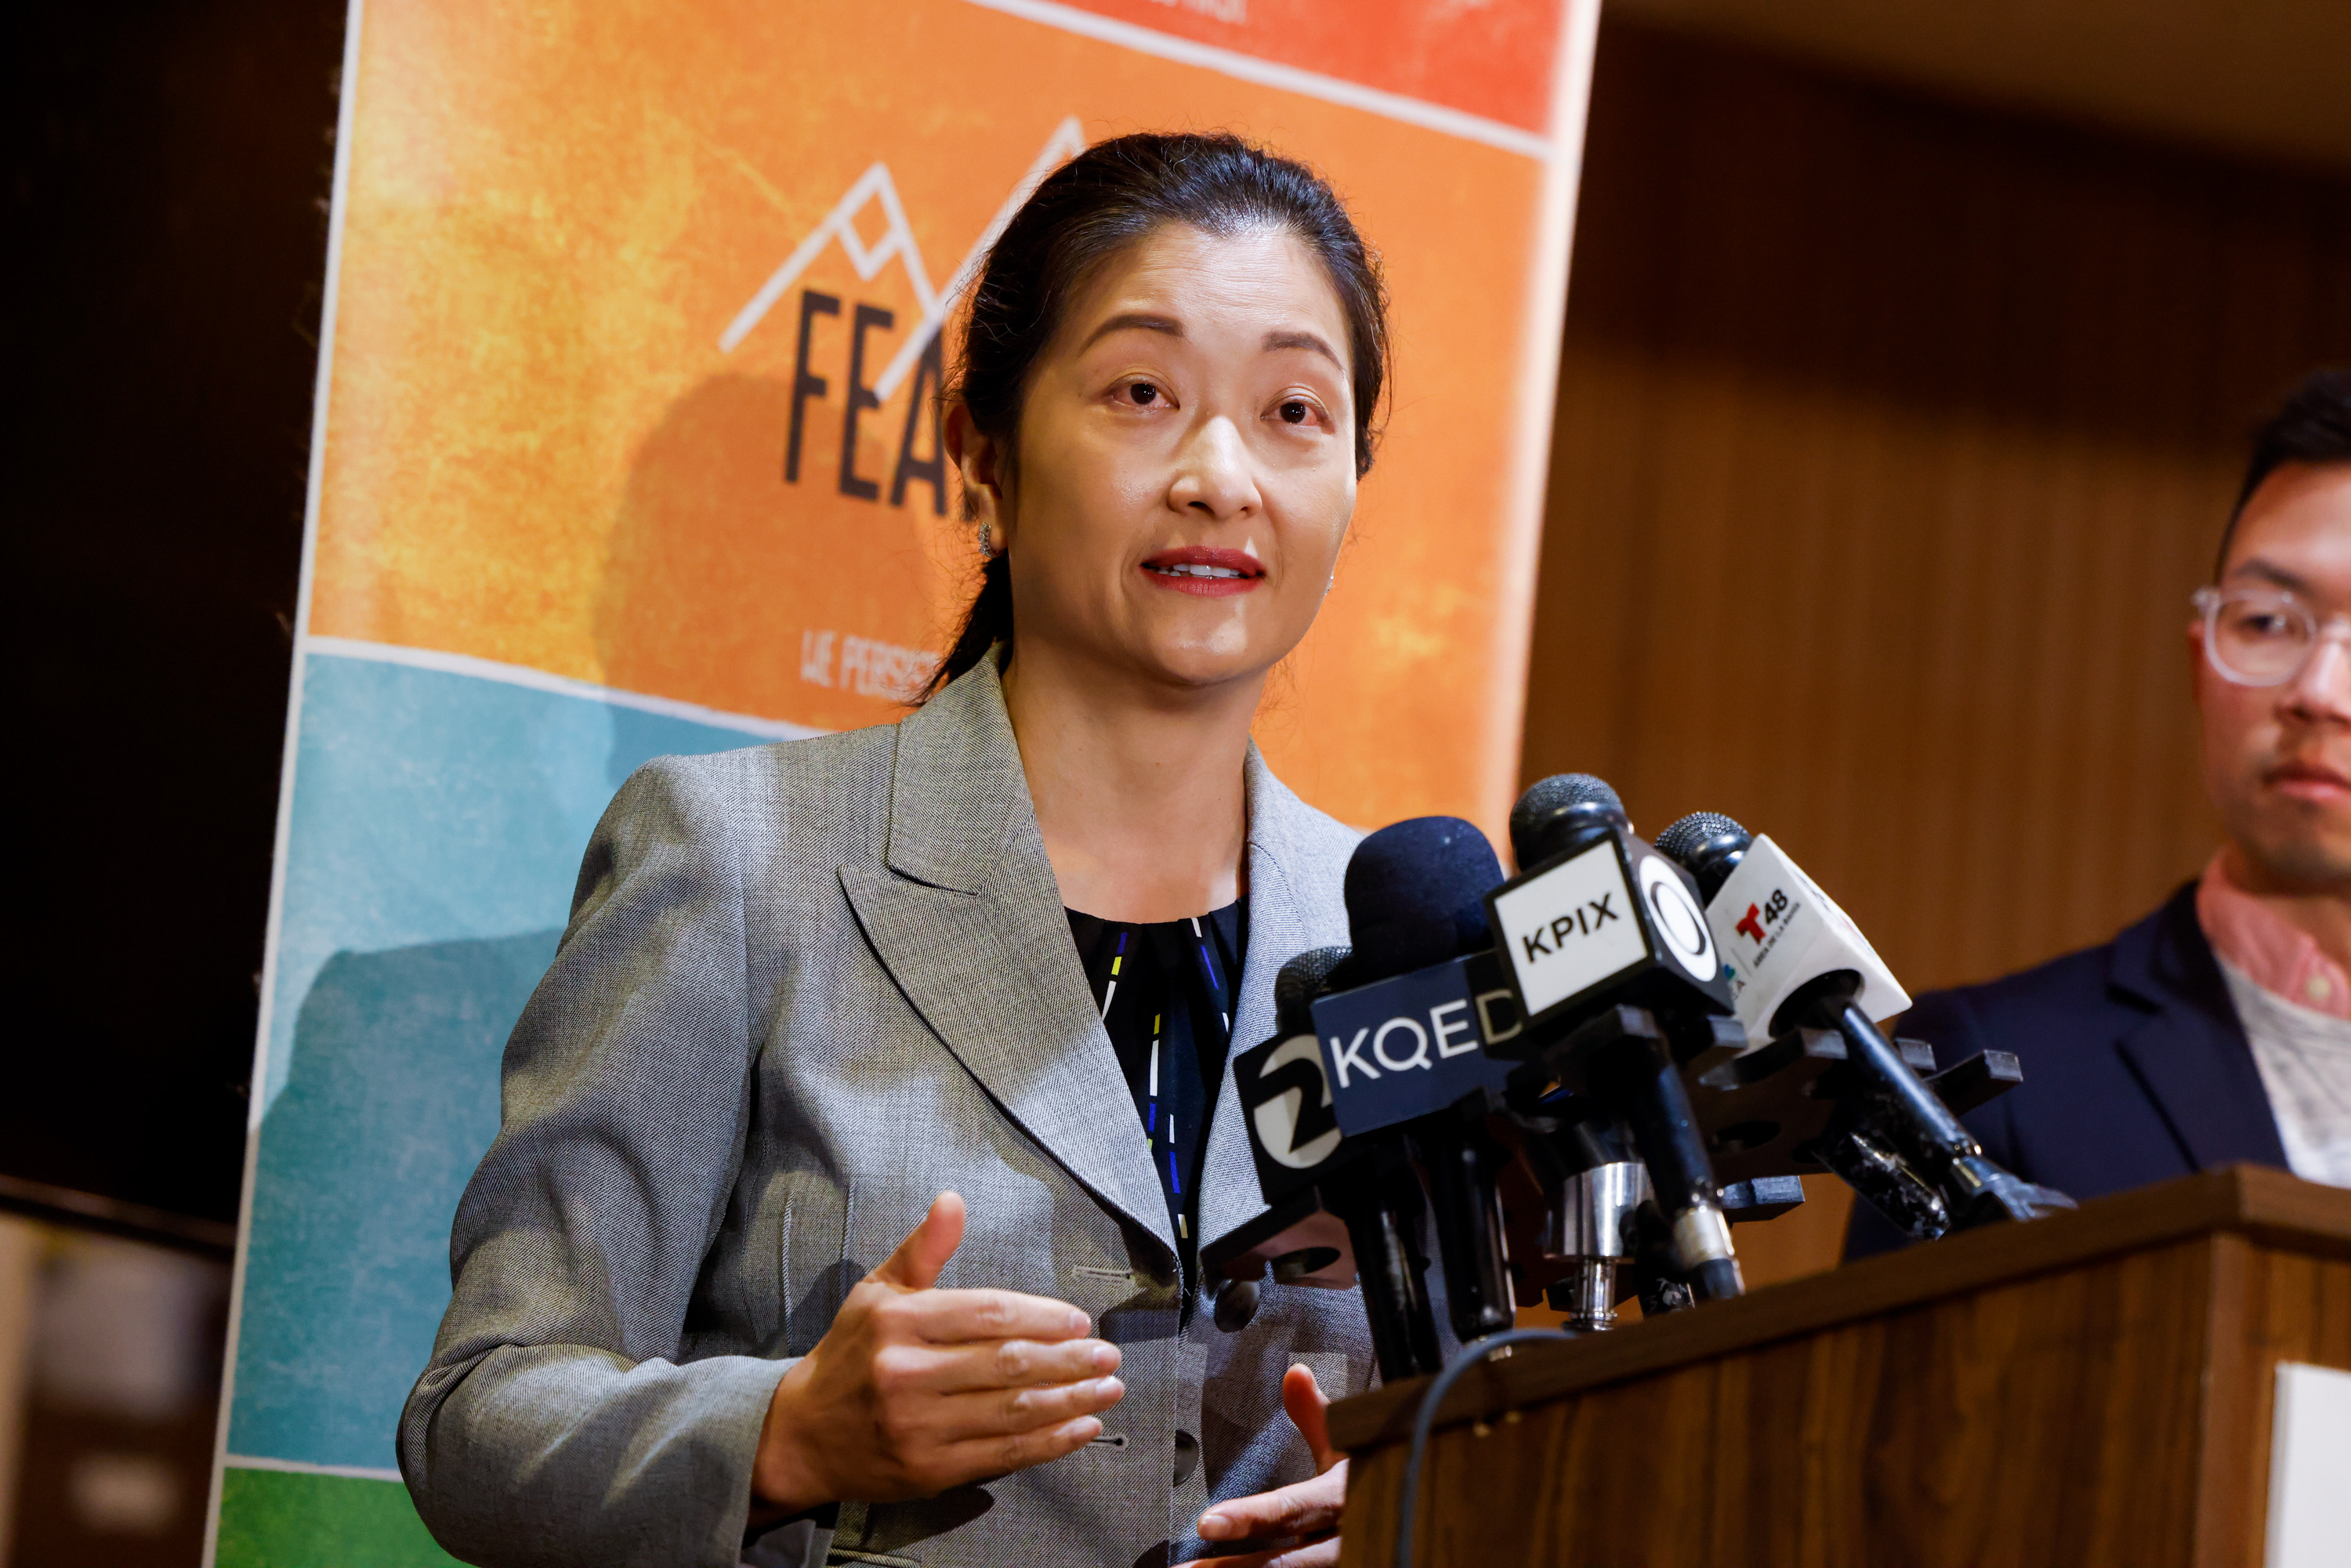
{"type": "Point", "coordinates": [1142, 394]}
{"type": "Point", "coordinates": [1297, 410]}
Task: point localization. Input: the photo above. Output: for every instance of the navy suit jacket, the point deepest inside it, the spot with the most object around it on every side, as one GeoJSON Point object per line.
{"type": "Point", "coordinates": [2136, 1067]}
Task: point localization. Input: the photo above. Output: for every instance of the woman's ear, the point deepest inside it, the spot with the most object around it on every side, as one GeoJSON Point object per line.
{"type": "Point", "coordinates": [979, 466]}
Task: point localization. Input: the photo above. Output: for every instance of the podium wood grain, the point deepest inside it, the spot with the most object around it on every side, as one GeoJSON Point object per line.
{"type": "Point", "coordinates": [2090, 1389]}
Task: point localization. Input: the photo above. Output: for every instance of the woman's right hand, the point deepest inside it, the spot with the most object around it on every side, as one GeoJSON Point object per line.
{"type": "Point", "coordinates": [915, 1390]}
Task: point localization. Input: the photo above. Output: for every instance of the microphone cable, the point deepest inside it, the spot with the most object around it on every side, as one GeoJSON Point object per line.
{"type": "Point", "coordinates": [1425, 1420]}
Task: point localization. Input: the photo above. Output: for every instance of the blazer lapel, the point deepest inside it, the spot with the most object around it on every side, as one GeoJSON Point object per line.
{"type": "Point", "coordinates": [968, 921]}
{"type": "Point", "coordinates": [1278, 932]}
{"type": "Point", "coordinates": [2192, 1055]}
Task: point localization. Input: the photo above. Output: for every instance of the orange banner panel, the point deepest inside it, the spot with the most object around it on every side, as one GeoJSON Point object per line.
{"type": "Point", "coordinates": [629, 382]}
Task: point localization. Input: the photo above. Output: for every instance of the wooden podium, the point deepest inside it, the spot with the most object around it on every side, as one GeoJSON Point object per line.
{"type": "Point", "coordinates": [2093, 1388]}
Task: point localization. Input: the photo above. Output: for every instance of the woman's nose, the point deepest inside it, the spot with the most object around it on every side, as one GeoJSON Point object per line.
{"type": "Point", "coordinates": [1213, 476]}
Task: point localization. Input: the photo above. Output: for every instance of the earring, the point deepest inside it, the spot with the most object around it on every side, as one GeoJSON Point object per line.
{"type": "Point", "coordinates": [986, 542]}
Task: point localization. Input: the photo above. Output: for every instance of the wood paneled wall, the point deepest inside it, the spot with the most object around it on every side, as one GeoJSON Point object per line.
{"type": "Point", "coordinates": [1892, 438]}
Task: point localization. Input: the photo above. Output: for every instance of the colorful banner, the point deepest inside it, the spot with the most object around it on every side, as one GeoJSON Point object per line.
{"type": "Point", "coordinates": [626, 443]}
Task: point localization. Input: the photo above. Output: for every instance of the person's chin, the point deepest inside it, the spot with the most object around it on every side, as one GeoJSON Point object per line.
{"type": "Point", "coordinates": [1206, 662]}
{"type": "Point", "coordinates": [2305, 849]}
{"type": "Point", "coordinates": [1205, 673]}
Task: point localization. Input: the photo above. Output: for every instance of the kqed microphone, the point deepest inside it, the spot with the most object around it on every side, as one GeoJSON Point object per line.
{"type": "Point", "coordinates": [1340, 1210]}
{"type": "Point", "coordinates": [1598, 936]}
{"type": "Point", "coordinates": [1403, 1034]}
{"type": "Point", "coordinates": [1799, 962]}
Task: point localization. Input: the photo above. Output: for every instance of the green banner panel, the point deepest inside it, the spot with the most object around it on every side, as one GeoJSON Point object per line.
{"type": "Point", "coordinates": [278, 1518]}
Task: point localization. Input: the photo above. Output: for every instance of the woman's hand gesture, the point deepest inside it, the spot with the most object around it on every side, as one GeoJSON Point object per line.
{"type": "Point", "coordinates": [915, 1390]}
{"type": "Point", "coordinates": [1309, 1509]}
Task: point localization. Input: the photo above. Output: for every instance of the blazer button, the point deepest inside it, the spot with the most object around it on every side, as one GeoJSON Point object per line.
{"type": "Point", "coordinates": [1187, 1457]}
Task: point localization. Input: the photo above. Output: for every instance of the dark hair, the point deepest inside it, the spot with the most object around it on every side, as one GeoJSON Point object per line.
{"type": "Point", "coordinates": [1100, 203]}
{"type": "Point", "coordinates": [2312, 425]}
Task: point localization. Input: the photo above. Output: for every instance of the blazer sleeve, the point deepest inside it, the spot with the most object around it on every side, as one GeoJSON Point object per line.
{"type": "Point", "coordinates": [1946, 1020]}
{"type": "Point", "coordinates": [556, 1423]}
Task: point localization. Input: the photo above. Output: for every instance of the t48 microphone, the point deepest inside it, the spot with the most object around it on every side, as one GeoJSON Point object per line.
{"type": "Point", "coordinates": [1776, 930]}
{"type": "Point", "coordinates": [1802, 964]}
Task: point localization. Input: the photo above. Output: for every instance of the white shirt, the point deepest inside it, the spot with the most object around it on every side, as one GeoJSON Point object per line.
{"type": "Point", "coordinates": [2304, 1057]}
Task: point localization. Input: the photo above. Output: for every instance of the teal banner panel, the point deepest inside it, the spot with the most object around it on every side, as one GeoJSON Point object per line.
{"type": "Point", "coordinates": [437, 829]}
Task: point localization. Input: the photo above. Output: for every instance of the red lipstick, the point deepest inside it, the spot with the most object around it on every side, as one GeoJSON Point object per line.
{"type": "Point", "coordinates": [1205, 572]}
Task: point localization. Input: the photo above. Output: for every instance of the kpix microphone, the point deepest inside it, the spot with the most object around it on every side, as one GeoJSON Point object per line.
{"type": "Point", "coordinates": [1596, 917]}
{"type": "Point", "coordinates": [1607, 951]}
{"type": "Point", "coordinates": [1801, 964]}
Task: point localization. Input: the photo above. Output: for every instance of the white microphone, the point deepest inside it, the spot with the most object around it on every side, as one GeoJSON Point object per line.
{"type": "Point", "coordinates": [1799, 963]}
{"type": "Point", "coordinates": [1777, 931]}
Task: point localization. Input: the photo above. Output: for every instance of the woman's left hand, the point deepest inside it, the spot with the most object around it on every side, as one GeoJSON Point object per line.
{"type": "Point", "coordinates": [1309, 1509]}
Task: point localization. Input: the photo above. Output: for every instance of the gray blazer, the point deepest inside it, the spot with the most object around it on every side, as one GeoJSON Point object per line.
{"type": "Point", "coordinates": [805, 988]}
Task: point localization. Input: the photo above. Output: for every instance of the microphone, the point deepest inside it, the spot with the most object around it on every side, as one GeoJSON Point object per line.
{"type": "Point", "coordinates": [1402, 1021]}
{"type": "Point", "coordinates": [1607, 951]}
{"type": "Point", "coordinates": [1781, 931]}
{"type": "Point", "coordinates": [1597, 917]}
{"type": "Point", "coordinates": [1293, 1129]}
{"type": "Point", "coordinates": [1403, 1040]}
{"type": "Point", "coordinates": [1415, 893]}
{"type": "Point", "coordinates": [1799, 962]}
{"type": "Point", "coordinates": [1342, 1209]}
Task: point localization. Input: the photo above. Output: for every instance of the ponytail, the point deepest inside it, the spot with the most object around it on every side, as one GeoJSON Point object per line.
{"type": "Point", "coordinates": [989, 623]}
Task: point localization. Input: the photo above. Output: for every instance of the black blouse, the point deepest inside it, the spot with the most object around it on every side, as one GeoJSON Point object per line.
{"type": "Point", "coordinates": [1166, 990]}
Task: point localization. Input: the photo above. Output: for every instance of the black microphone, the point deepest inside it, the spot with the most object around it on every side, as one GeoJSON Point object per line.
{"type": "Point", "coordinates": [1415, 895]}
{"type": "Point", "coordinates": [1340, 1210]}
{"type": "Point", "coordinates": [1561, 813]}
{"type": "Point", "coordinates": [1800, 962]}
{"type": "Point", "coordinates": [1597, 918]}
{"type": "Point", "coordinates": [1293, 1129]}
{"type": "Point", "coordinates": [1301, 980]}
{"type": "Point", "coordinates": [1608, 951]}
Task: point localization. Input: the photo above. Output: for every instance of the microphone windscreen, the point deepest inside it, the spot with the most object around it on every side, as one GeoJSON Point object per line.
{"type": "Point", "coordinates": [1416, 896]}
{"type": "Point", "coordinates": [1708, 845]}
{"type": "Point", "coordinates": [1556, 812]}
{"type": "Point", "coordinates": [1304, 978]}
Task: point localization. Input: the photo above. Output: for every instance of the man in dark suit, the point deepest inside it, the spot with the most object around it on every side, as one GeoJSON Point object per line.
{"type": "Point", "coordinates": [2218, 1028]}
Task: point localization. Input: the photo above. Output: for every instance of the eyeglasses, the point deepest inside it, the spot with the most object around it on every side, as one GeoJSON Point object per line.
{"type": "Point", "coordinates": [2263, 636]}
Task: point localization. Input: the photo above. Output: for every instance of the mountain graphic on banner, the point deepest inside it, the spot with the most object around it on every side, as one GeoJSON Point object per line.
{"type": "Point", "coordinates": [898, 241]}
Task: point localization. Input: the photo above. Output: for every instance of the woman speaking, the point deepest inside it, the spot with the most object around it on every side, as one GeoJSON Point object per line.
{"type": "Point", "coordinates": [858, 1146]}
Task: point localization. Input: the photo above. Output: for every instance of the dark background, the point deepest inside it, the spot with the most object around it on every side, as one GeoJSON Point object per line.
{"type": "Point", "coordinates": [168, 172]}
{"type": "Point", "coordinates": [1920, 375]}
